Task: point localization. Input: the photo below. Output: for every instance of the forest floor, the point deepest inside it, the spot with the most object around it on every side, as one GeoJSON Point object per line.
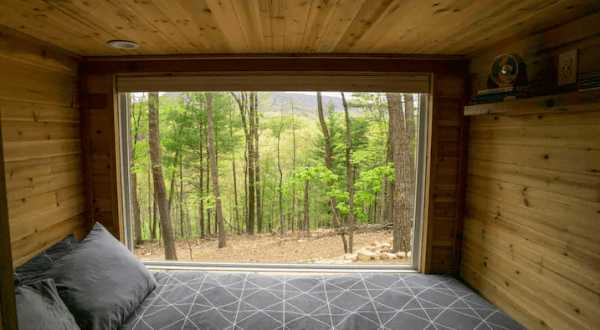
{"type": "Point", "coordinates": [321, 246]}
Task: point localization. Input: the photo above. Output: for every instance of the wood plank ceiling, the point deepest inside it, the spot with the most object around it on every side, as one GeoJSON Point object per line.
{"type": "Point", "coordinates": [453, 27]}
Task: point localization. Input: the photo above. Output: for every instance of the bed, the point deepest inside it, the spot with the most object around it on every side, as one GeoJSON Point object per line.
{"type": "Point", "coordinates": [141, 300]}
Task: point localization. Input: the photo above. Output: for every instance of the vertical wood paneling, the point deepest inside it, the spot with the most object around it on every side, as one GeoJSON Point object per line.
{"type": "Point", "coordinates": [531, 237]}
{"type": "Point", "coordinates": [445, 199]}
{"type": "Point", "coordinates": [39, 104]}
{"type": "Point", "coordinates": [7, 285]}
{"type": "Point", "coordinates": [100, 134]}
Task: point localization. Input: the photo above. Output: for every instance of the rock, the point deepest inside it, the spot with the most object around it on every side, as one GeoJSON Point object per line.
{"type": "Point", "coordinates": [386, 246]}
{"type": "Point", "coordinates": [384, 256]}
{"type": "Point", "coordinates": [366, 255]}
{"type": "Point", "coordinates": [391, 255]}
{"type": "Point", "coordinates": [400, 255]}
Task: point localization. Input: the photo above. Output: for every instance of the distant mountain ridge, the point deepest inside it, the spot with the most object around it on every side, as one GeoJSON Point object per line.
{"type": "Point", "coordinates": [303, 103]}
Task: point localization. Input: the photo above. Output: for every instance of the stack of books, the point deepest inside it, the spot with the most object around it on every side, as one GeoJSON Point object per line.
{"type": "Point", "coordinates": [589, 83]}
{"type": "Point", "coordinates": [498, 95]}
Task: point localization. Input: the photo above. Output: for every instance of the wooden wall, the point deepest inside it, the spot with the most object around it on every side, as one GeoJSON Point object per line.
{"type": "Point", "coordinates": [101, 156]}
{"type": "Point", "coordinates": [39, 104]}
{"type": "Point", "coordinates": [532, 219]}
{"type": "Point", "coordinates": [444, 207]}
{"type": "Point", "coordinates": [442, 236]}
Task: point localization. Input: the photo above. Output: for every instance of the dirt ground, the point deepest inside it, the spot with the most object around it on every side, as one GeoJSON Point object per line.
{"type": "Point", "coordinates": [322, 246]}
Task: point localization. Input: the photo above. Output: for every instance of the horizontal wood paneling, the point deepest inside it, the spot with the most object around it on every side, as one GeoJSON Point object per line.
{"type": "Point", "coordinates": [531, 239]}
{"type": "Point", "coordinates": [531, 225]}
{"type": "Point", "coordinates": [43, 153]}
{"type": "Point", "coordinates": [287, 26]}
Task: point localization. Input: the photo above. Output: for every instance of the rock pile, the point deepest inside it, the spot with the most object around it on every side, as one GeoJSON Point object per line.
{"type": "Point", "coordinates": [379, 251]}
{"type": "Point", "coordinates": [371, 252]}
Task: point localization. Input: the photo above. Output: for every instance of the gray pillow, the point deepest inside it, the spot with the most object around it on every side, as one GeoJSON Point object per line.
{"type": "Point", "coordinates": [101, 282]}
{"type": "Point", "coordinates": [33, 268]}
{"type": "Point", "coordinates": [40, 307]}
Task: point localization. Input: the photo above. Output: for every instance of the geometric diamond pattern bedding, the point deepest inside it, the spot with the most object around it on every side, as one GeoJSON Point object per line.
{"type": "Point", "coordinates": [240, 301]}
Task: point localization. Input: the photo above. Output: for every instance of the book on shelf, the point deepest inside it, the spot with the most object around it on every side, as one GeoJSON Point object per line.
{"type": "Point", "coordinates": [589, 83]}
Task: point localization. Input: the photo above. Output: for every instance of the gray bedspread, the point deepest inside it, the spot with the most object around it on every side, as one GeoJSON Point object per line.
{"type": "Point", "coordinates": [204, 300]}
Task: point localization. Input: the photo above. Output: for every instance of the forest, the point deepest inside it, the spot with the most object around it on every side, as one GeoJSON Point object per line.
{"type": "Point", "coordinates": [207, 165]}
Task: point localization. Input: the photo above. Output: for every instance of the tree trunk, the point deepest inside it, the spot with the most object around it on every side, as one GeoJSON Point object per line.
{"type": "Point", "coordinates": [402, 204]}
{"type": "Point", "coordinates": [306, 215]}
{"type": "Point", "coordinates": [281, 222]}
{"type": "Point", "coordinates": [382, 207]}
{"type": "Point", "coordinates": [235, 195]}
{"type": "Point", "coordinates": [245, 204]}
{"type": "Point", "coordinates": [251, 188]}
{"type": "Point", "coordinates": [349, 177]}
{"type": "Point", "coordinates": [181, 219]}
{"type": "Point", "coordinates": [293, 217]}
{"type": "Point", "coordinates": [332, 200]}
{"type": "Point", "coordinates": [159, 184]}
{"type": "Point", "coordinates": [201, 218]}
{"type": "Point", "coordinates": [249, 204]}
{"type": "Point", "coordinates": [208, 209]}
{"type": "Point", "coordinates": [410, 135]}
{"type": "Point", "coordinates": [154, 214]}
{"type": "Point", "coordinates": [213, 171]}
{"type": "Point", "coordinates": [259, 206]}
{"type": "Point", "coordinates": [201, 215]}
{"type": "Point", "coordinates": [172, 189]}
{"type": "Point", "coordinates": [151, 223]}
{"type": "Point", "coordinates": [137, 224]}
{"type": "Point", "coordinates": [389, 209]}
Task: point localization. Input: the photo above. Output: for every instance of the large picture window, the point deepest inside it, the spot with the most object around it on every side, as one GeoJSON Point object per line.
{"type": "Point", "coordinates": [277, 179]}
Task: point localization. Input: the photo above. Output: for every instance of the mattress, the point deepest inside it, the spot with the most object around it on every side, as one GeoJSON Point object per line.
{"type": "Point", "coordinates": [240, 301]}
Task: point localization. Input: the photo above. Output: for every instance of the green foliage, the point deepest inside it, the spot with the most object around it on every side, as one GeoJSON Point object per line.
{"type": "Point", "coordinates": [183, 124]}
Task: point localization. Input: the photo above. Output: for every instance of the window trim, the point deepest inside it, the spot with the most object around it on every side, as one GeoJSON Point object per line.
{"type": "Point", "coordinates": [419, 211]}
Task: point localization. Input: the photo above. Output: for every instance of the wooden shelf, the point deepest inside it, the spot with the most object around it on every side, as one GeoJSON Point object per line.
{"type": "Point", "coordinates": [570, 102]}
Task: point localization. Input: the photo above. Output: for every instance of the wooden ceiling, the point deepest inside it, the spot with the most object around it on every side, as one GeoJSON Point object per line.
{"type": "Point", "coordinates": [452, 27]}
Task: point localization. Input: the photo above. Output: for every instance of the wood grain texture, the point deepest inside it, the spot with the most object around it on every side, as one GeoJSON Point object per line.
{"type": "Point", "coordinates": [8, 309]}
{"type": "Point", "coordinates": [447, 128]}
{"type": "Point", "coordinates": [101, 155]}
{"type": "Point", "coordinates": [575, 102]}
{"type": "Point", "coordinates": [531, 240]}
{"type": "Point", "coordinates": [42, 146]}
{"type": "Point", "coordinates": [286, 26]}
{"type": "Point", "coordinates": [445, 199]}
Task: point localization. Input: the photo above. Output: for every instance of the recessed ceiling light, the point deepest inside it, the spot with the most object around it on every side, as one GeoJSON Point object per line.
{"type": "Point", "coordinates": [123, 44]}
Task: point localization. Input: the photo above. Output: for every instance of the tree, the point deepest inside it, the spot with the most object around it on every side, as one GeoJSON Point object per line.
{"type": "Point", "coordinates": [306, 224]}
{"type": "Point", "coordinates": [402, 185]}
{"type": "Point", "coordinates": [293, 217]}
{"type": "Point", "coordinates": [157, 174]}
{"type": "Point", "coordinates": [327, 157]}
{"type": "Point", "coordinates": [245, 104]}
{"type": "Point", "coordinates": [281, 220]}
{"type": "Point", "coordinates": [259, 209]}
{"type": "Point", "coordinates": [349, 177]}
{"type": "Point", "coordinates": [213, 170]}
{"type": "Point", "coordinates": [137, 225]}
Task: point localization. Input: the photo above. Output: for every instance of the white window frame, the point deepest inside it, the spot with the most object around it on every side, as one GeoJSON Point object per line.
{"type": "Point", "coordinates": [420, 188]}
